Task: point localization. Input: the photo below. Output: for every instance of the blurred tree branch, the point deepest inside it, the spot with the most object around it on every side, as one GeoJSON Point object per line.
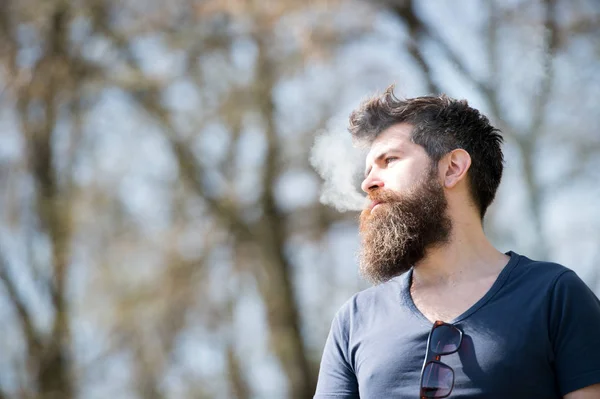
{"type": "Point", "coordinates": [37, 105]}
{"type": "Point", "coordinates": [34, 345]}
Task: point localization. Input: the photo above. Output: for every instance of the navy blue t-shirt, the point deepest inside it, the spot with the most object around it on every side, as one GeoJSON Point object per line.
{"type": "Point", "coordinates": [534, 334]}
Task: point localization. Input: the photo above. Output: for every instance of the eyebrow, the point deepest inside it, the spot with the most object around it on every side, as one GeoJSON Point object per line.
{"type": "Point", "coordinates": [382, 155]}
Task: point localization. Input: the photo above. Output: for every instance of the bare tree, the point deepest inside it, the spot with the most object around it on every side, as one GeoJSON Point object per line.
{"type": "Point", "coordinates": [60, 87]}
{"type": "Point", "coordinates": [41, 90]}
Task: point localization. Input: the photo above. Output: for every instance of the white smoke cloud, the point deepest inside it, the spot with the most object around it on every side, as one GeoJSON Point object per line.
{"type": "Point", "coordinates": [340, 164]}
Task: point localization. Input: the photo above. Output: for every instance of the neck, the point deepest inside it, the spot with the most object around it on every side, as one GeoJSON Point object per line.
{"type": "Point", "coordinates": [467, 256]}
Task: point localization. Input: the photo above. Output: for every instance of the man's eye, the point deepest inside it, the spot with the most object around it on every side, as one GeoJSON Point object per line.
{"type": "Point", "coordinates": [388, 160]}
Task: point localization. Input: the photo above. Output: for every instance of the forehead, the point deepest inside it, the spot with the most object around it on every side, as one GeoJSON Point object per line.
{"type": "Point", "coordinates": [394, 138]}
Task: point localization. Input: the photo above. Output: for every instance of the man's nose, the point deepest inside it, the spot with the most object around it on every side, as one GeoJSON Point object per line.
{"type": "Point", "coordinates": [371, 182]}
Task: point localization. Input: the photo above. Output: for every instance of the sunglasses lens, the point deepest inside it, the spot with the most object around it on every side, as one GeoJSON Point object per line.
{"type": "Point", "coordinates": [445, 339]}
{"type": "Point", "coordinates": [438, 381]}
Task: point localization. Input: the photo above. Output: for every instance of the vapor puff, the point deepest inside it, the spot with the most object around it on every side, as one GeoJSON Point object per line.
{"type": "Point", "coordinates": [340, 164]}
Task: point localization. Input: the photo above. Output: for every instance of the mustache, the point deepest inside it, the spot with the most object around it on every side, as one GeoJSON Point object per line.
{"type": "Point", "coordinates": [382, 195]}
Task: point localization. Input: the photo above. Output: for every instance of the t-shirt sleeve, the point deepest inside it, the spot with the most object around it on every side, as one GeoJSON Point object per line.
{"type": "Point", "coordinates": [336, 375]}
{"type": "Point", "coordinates": [575, 333]}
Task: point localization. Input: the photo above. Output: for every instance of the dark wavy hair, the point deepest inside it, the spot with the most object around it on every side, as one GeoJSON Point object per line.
{"type": "Point", "coordinates": [440, 125]}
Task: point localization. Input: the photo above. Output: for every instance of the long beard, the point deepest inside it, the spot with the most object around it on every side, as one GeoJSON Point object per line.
{"type": "Point", "coordinates": [398, 232]}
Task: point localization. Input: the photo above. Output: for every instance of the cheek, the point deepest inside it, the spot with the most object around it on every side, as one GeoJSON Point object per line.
{"type": "Point", "coordinates": [401, 177]}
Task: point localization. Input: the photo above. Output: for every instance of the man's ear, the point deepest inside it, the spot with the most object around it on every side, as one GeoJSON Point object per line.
{"type": "Point", "coordinates": [456, 164]}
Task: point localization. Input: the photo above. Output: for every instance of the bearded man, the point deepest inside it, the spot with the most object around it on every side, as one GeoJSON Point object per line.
{"type": "Point", "coordinates": [450, 315]}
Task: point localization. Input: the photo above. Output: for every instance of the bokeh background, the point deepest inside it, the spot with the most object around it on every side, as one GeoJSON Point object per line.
{"type": "Point", "coordinates": [161, 234]}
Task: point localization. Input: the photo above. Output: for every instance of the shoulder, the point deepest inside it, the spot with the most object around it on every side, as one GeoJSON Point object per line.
{"type": "Point", "coordinates": [536, 272]}
{"type": "Point", "coordinates": [559, 283]}
{"type": "Point", "coordinates": [371, 302]}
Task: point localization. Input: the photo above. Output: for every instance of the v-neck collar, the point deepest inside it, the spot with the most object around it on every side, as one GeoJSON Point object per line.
{"type": "Point", "coordinates": [406, 279]}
